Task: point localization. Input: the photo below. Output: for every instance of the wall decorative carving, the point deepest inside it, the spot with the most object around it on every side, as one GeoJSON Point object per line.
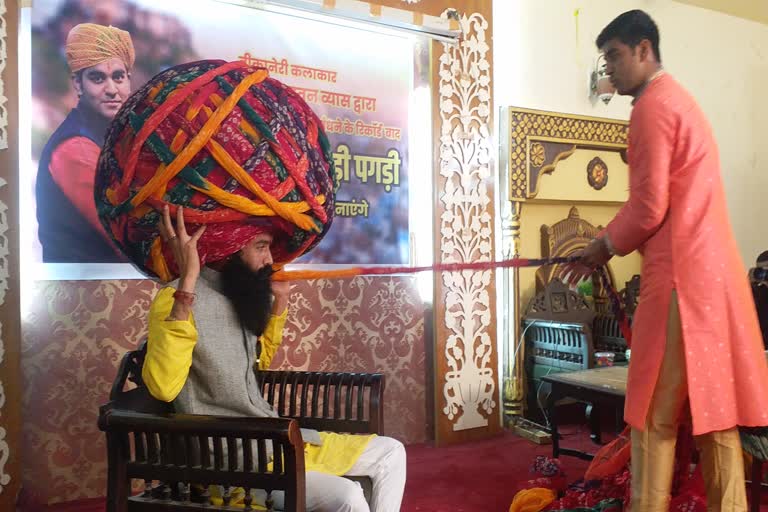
{"type": "Point", "coordinates": [538, 154]}
{"type": "Point", "coordinates": [527, 127]}
{"type": "Point", "coordinates": [3, 59]}
{"type": "Point", "coordinates": [597, 173]}
{"type": "Point", "coordinates": [533, 142]}
{"type": "Point", "coordinates": [10, 389]}
{"type": "Point", "coordinates": [5, 449]}
{"type": "Point", "coordinates": [8, 420]}
{"type": "Point", "coordinates": [466, 227]}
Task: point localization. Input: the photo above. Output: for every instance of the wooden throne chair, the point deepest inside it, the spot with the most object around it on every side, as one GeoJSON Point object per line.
{"type": "Point", "coordinates": [562, 330]}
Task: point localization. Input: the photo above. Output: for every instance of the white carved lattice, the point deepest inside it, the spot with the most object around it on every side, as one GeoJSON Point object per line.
{"type": "Point", "coordinates": [5, 451]}
{"type": "Point", "coordinates": [466, 224]}
{"type": "Point", "coordinates": [3, 99]}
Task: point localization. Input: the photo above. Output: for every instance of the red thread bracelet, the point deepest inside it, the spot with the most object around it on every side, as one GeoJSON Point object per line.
{"type": "Point", "coordinates": [185, 298]}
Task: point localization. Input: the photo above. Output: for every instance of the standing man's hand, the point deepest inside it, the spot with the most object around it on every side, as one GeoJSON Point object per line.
{"type": "Point", "coordinates": [281, 290]}
{"type": "Point", "coordinates": [594, 256]}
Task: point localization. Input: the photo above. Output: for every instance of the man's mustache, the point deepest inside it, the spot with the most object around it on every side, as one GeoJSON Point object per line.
{"type": "Point", "coordinates": [265, 273]}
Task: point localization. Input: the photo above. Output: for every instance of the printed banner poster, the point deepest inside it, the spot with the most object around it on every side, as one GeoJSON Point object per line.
{"type": "Point", "coordinates": [359, 83]}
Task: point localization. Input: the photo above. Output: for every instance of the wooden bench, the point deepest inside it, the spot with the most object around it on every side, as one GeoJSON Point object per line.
{"type": "Point", "coordinates": [179, 456]}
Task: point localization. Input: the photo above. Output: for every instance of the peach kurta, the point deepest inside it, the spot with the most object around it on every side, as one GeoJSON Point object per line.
{"type": "Point", "coordinates": [676, 216]}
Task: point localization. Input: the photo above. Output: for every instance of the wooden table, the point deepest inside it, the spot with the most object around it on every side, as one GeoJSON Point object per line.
{"type": "Point", "coordinates": [608, 387]}
{"type": "Point", "coordinates": [601, 387]}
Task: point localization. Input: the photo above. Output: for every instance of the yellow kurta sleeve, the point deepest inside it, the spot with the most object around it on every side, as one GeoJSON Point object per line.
{"type": "Point", "coordinates": [272, 338]}
{"type": "Point", "coordinates": [169, 349]}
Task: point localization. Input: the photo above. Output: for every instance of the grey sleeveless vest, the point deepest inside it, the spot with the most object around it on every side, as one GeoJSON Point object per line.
{"type": "Point", "coordinates": [221, 379]}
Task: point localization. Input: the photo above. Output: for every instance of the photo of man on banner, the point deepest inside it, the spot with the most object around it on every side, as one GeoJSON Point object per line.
{"type": "Point", "coordinates": [88, 57]}
{"type": "Point", "coordinates": [100, 59]}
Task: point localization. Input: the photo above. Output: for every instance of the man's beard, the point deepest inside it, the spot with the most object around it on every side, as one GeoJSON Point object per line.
{"type": "Point", "coordinates": [250, 293]}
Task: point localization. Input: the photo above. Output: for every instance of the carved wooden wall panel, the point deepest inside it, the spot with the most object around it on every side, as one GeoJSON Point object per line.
{"type": "Point", "coordinates": [532, 143]}
{"type": "Point", "coordinates": [10, 345]}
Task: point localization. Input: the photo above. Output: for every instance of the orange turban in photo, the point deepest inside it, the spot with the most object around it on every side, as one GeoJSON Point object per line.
{"type": "Point", "coordinates": [89, 45]}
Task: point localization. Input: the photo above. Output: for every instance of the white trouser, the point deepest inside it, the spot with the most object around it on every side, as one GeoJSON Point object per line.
{"type": "Point", "coordinates": [383, 460]}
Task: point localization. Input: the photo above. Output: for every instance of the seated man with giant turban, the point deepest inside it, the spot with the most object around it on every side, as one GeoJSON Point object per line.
{"type": "Point", "coordinates": [100, 59]}
{"type": "Point", "coordinates": [244, 166]}
{"type": "Point", "coordinates": [204, 330]}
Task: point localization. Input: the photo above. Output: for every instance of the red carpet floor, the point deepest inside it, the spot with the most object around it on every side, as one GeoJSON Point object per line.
{"type": "Point", "coordinates": [475, 477]}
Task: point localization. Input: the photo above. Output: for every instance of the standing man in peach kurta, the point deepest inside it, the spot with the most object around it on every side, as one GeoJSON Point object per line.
{"type": "Point", "coordinates": [696, 347]}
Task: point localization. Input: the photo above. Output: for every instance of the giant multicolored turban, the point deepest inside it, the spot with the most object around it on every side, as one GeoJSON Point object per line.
{"type": "Point", "coordinates": [89, 45]}
{"type": "Point", "coordinates": [241, 152]}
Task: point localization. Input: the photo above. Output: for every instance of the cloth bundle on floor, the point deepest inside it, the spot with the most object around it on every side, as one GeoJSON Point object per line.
{"type": "Point", "coordinates": [241, 152]}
